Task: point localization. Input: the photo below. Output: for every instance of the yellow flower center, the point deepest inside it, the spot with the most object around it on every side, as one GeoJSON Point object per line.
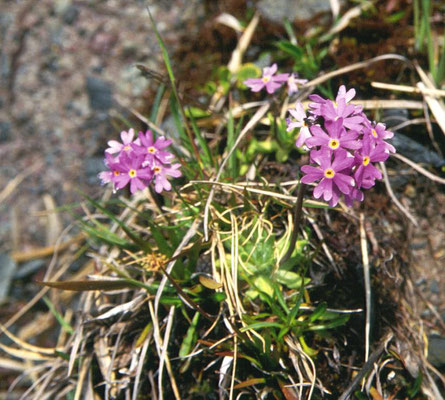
{"type": "Point", "coordinates": [156, 170]}
{"type": "Point", "coordinates": [116, 173]}
{"type": "Point", "coordinates": [151, 150]}
{"type": "Point", "coordinates": [132, 173]}
{"type": "Point", "coordinates": [266, 79]}
{"type": "Point", "coordinates": [334, 144]}
{"type": "Point", "coordinates": [127, 147]}
{"type": "Point", "coordinates": [366, 160]}
{"type": "Point", "coordinates": [374, 133]}
{"type": "Point", "coordinates": [329, 173]}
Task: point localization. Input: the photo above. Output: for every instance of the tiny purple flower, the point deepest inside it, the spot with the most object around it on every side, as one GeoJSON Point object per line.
{"type": "Point", "coordinates": [293, 82]}
{"type": "Point", "coordinates": [153, 151]}
{"type": "Point", "coordinates": [335, 110]}
{"type": "Point", "coordinates": [342, 96]}
{"type": "Point", "coordinates": [300, 122]}
{"type": "Point", "coordinates": [330, 175]}
{"type": "Point", "coordinates": [337, 137]}
{"type": "Point", "coordinates": [378, 133]}
{"type": "Point", "coordinates": [127, 140]}
{"type": "Point", "coordinates": [364, 159]}
{"type": "Point", "coordinates": [269, 80]}
{"type": "Point", "coordinates": [160, 176]}
{"type": "Point", "coordinates": [131, 171]}
{"type": "Point", "coordinates": [112, 163]}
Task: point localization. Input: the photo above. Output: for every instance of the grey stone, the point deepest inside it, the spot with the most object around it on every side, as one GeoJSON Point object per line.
{"type": "Point", "coordinates": [5, 131]}
{"type": "Point", "coordinates": [416, 151]}
{"type": "Point", "coordinates": [70, 15]}
{"type": "Point", "coordinates": [434, 287]}
{"type": "Point", "coordinates": [278, 10]}
{"type": "Point", "coordinates": [93, 166]}
{"type": "Point", "coordinates": [436, 351]}
{"type": "Point", "coordinates": [29, 268]}
{"type": "Point", "coordinates": [7, 271]}
{"type": "Point", "coordinates": [100, 93]}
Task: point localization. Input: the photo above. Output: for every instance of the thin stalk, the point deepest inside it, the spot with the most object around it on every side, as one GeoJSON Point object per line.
{"type": "Point", "coordinates": [298, 211]}
{"type": "Point", "coordinates": [174, 88]}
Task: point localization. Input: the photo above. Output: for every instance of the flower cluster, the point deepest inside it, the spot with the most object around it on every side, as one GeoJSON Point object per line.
{"type": "Point", "coordinates": [271, 81]}
{"type": "Point", "coordinates": [343, 145]}
{"type": "Point", "coordinates": [138, 162]}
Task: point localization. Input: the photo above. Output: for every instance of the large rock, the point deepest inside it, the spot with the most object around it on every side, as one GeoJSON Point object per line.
{"type": "Point", "coordinates": [278, 10]}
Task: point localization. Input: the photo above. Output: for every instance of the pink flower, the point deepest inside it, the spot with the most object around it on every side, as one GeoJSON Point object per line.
{"type": "Point", "coordinates": [292, 84]}
{"type": "Point", "coordinates": [112, 163]}
{"type": "Point", "coordinates": [153, 151]}
{"type": "Point", "coordinates": [299, 121]}
{"type": "Point", "coordinates": [331, 176]}
{"type": "Point", "coordinates": [336, 138]}
{"type": "Point", "coordinates": [131, 171]}
{"type": "Point", "coordinates": [160, 176]}
{"type": "Point", "coordinates": [370, 153]}
{"type": "Point", "coordinates": [343, 97]}
{"type": "Point", "coordinates": [269, 80]}
{"type": "Point", "coordinates": [377, 135]}
{"type": "Point", "coordinates": [127, 140]}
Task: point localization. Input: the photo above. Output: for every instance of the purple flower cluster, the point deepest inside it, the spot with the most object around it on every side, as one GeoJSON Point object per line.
{"type": "Point", "coordinates": [271, 81]}
{"type": "Point", "coordinates": [139, 162]}
{"type": "Point", "coordinates": [343, 145]}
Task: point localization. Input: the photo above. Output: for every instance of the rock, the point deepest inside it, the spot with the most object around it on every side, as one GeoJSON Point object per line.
{"type": "Point", "coordinates": [436, 351]}
{"type": "Point", "coordinates": [70, 15]}
{"type": "Point", "coordinates": [7, 271]}
{"type": "Point", "coordinates": [5, 131]}
{"type": "Point", "coordinates": [100, 93]}
{"type": "Point", "coordinates": [416, 151]}
{"type": "Point", "coordinates": [93, 166]}
{"type": "Point", "coordinates": [278, 10]}
{"type": "Point", "coordinates": [29, 268]}
{"type": "Point", "coordinates": [434, 287]}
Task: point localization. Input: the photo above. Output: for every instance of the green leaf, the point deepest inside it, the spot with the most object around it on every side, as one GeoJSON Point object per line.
{"type": "Point", "coordinates": [196, 112]}
{"type": "Point", "coordinates": [290, 49]}
{"type": "Point", "coordinates": [290, 279]}
{"type": "Point", "coordinates": [392, 19]}
{"type": "Point", "coordinates": [341, 320]}
{"type": "Point", "coordinates": [318, 312]}
{"type": "Point", "coordinates": [206, 154]}
{"type": "Point", "coordinates": [190, 337]}
{"type": "Point", "coordinates": [264, 284]}
{"type": "Point", "coordinates": [132, 235]}
{"type": "Point", "coordinates": [157, 103]}
{"type": "Point", "coordinates": [65, 325]}
{"type": "Point", "coordinates": [261, 325]}
{"type": "Point", "coordinates": [247, 71]}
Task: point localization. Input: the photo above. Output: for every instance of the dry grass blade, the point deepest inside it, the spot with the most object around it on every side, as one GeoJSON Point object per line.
{"type": "Point", "coordinates": [366, 367]}
{"type": "Point", "coordinates": [437, 107]}
{"type": "Point", "coordinates": [140, 366]}
{"type": "Point", "coordinates": [367, 279]}
{"type": "Point", "coordinates": [345, 19]}
{"type": "Point", "coordinates": [418, 168]}
{"type": "Point", "coordinates": [259, 191]}
{"type": "Point", "coordinates": [14, 183]}
{"type": "Point", "coordinates": [86, 361]}
{"type": "Point", "coordinates": [394, 198]}
{"type": "Point", "coordinates": [46, 251]}
{"type": "Point", "coordinates": [11, 365]}
{"type": "Point", "coordinates": [26, 354]}
{"type": "Point", "coordinates": [252, 122]}
{"type": "Point", "coordinates": [409, 89]}
{"type": "Point", "coordinates": [353, 67]}
{"type": "Point", "coordinates": [86, 285]}
{"type": "Point", "coordinates": [243, 44]}
{"type": "Point", "coordinates": [27, 346]}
